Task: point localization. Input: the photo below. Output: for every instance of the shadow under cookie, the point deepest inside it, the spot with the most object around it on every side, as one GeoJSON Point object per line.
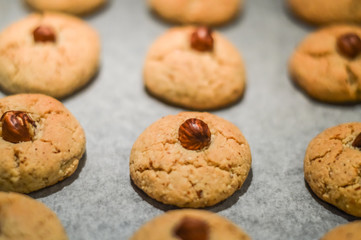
{"type": "Point", "coordinates": [45, 192]}
{"type": "Point", "coordinates": [330, 207]}
{"type": "Point", "coordinates": [166, 102]}
{"type": "Point", "coordinates": [227, 203]}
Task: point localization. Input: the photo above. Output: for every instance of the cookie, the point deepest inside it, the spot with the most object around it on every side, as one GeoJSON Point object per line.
{"type": "Point", "coordinates": [208, 12]}
{"type": "Point", "coordinates": [349, 231]}
{"type": "Point", "coordinates": [325, 11]}
{"type": "Point", "coordinates": [327, 64]}
{"type": "Point", "coordinates": [190, 225]}
{"type": "Point", "coordinates": [51, 53]}
{"type": "Point", "coordinates": [194, 68]}
{"type": "Point", "coordinates": [190, 160]}
{"type": "Point", "coordinates": [23, 218]}
{"type": "Point", "coordinates": [332, 166]}
{"type": "Point", "coordinates": [41, 142]}
{"type": "Point", "coordinates": [69, 6]}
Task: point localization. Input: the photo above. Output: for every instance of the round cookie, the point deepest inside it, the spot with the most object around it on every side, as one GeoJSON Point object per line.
{"type": "Point", "coordinates": [332, 166]}
{"type": "Point", "coordinates": [68, 6]}
{"type": "Point", "coordinates": [189, 225]}
{"type": "Point", "coordinates": [326, 11]}
{"type": "Point", "coordinates": [51, 152]}
{"type": "Point", "coordinates": [190, 160]}
{"type": "Point", "coordinates": [327, 64]}
{"type": "Point", "coordinates": [208, 12]}
{"type": "Point", "coordinates": [197, 73]}
{"type": "Point", "coordinates": [349, 231]}
{"type": "Point", "coordinates": [23, 218]}
{"type": "Point", "coordinates": [56, 59]}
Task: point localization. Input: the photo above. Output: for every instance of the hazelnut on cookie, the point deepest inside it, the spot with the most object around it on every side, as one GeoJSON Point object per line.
{"type": "Point", "coordinates": [190, 160]}
{"type": "Point", "coordinates": [195, 68]}
{"type": "Point", "coordinates": [41, 142]}
{"type": "Point", "coordinates": [332, 166]}
{"type": "Point", "coordinates": [50, 53]}
{"type": "Point", "coordinates": [327, 64]}
{"type": "Point", "coordinates": [190, 225]}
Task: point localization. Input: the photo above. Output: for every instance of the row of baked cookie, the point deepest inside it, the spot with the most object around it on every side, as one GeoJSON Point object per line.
{"type": "Point", "coordinates": [189, 160]}
{"type": "Point", "coordinates": [24, 218]}
{"type": "Point", "coordinates": [216, 12]}
{"type": "Point", "coordinates": [187, 66]}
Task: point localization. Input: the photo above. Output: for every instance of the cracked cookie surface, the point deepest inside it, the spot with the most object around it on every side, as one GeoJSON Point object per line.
{"type": "Point", "coordinates": [325, 11]}
{"type": "Point", "coordinates": [163, 227]}
{"type": "Point", "coordinates": [53, 68]}
{"type": "Point", "coordinates": [23, 218]}
{"type": "Point", "coordinates": [209, 12]}
{"type": "Point", "coordinates": [54, 152]}
{"type": "Point", "coordinates": [332, 167]}
{"type": "Point", "coordinates": [68, 6]}
{"type": "Point", "coordinates": [171, 174]}
{"type": "Point", "coordinates": [349, 231]}
{"type": "Point", "coordinates": [178, 74]}
{"type": "Point", "coordinates": [322, 72]}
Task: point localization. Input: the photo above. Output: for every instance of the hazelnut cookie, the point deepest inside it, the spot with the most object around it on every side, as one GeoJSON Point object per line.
{"type": "Point", "coordinates": [23, 218]}
{"type": "Point", "coordinates": [208, 12]}
{"type": "Point", "coordinates": [327, 64]}
{"type": "Point", "coordinates": [326, 11]}
{"type": "Point", "coordinates": [41, 142]}
{"type": "Point", "coordinates": [190, 160]}
{"type": "Point", "coordinates": [349, 231]}
{"type": "Point", "coordinates": [194, 68]}
{"type": "Point", "coordinates": [190, 225]}
{"type": "Point", "coordinates": [332, 166]}
{"type": "Point", "coordinates": [51, 53]}
{"type": "Point", "coordinates": [69, 6]}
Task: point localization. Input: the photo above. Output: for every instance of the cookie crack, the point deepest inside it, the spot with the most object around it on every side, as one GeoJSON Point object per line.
{"type": "Point", "coordinates": [56, 150]}
{"type": "Point", "coordinates": [352, 81]}
{"type": "Point", "coordinates": [320, 156]}
{"type": "Point", "coordinates": [17, 158]}
{"type": "Point", "coordinates": [318, 54]}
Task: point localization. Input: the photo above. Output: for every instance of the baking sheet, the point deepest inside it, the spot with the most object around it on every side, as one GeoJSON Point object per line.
{"type": "Point", "coordinates": [278, 120]}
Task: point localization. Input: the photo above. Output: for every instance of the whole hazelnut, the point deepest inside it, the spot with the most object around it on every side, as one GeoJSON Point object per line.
{"type": "Point", "coordinates": [202, 40]}
{"type": "Point", "coordinates": [192, 229]}
{"type": "Point", "coordinates": [17, 126]}
{"type": "Point", "coordinates": [194, 134]}
{"type": "Point", "coordinates": [44, 34]}
{"type": "Point", "coordinates": [349, 45]}
{"type": "Point", "coordinates": [357, 142]}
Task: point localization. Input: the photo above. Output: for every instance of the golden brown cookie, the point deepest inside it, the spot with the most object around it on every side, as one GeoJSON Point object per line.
{"type": "Point", "coordinates": [50, 53]}
{"type": "Point", "coordinates": [68, 6]}
{"type": "Point", "coordinates": [350, 231]}
{"type": "Point", "coordinates": [327, 64]}
{"type": "Point", "coordinates": [194, 68]}
{"type": "Point", "coordinates": [332, 166]}
{"type": "Point", "coordinates": [189, 225]}
{"type": "Point", "coordinates": [326, 11]}
{"type": "Point", "coordinates": [41, 142]}
{"type": "Point", "coordinates": [190, 160]}
{"type": "Point", "coordinates": [208, 12]}
{"type": "Point", "coordinates": [23, 218]}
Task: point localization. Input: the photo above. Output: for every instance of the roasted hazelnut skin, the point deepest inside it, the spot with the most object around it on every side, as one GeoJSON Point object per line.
{"type": "Point", "coordinates": [202, 40]}
{"type": "Point", "coordinates": [44, 34]}
{"type": "Point", "coordinates": [17, 126]}
{"type": "Point", "coordinates": [194, 134]}
{"type": "Point", "coordinates": [192, 229]}
{"type": "Point", "coordinates": [349, 45]}
{"type": "Point", "coordinates": [357, 142]}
